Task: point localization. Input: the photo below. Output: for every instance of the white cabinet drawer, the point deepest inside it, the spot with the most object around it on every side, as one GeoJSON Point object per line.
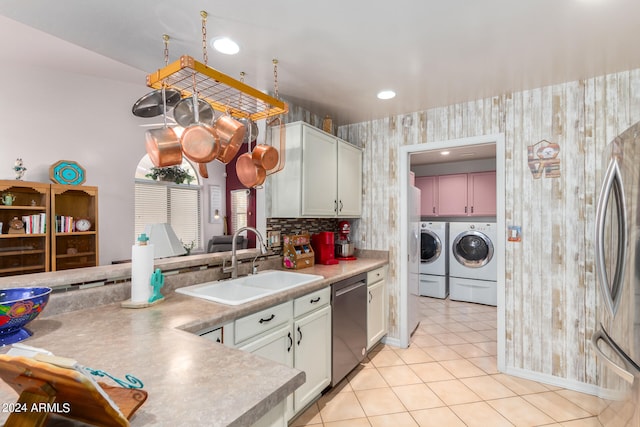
{"type": "Point", "coordinates": [312, 301]}
{"type": "Point", "coordinates": [257, 323]}
{"type": "Point", "coordinates": [376, 275]}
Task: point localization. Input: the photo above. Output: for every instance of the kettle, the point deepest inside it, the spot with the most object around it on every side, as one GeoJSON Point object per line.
{"type": "Point", "coordinates": [8, 199]}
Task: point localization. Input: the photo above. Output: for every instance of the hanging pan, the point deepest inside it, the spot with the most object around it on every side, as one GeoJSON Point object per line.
{"type": "Point", "coordinates": [155, 103]}
{"type": "Point", "coordinates": [185, 116]}
{"type": "Point", "coordinates": [231, 134]}
{"type": "Point", "coordinates": [249, 174]}
{"type": "Point", "coordinates": [200, 142]}
{"type": "Point", "coordinates": [162, 144]}
{"type": "Point", "coordinates": [151, 104]}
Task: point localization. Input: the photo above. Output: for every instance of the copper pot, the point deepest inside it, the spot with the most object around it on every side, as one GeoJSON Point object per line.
{"type": "Point", "coordinates": [162, 144]}
{"type": "Point", "coordinates": [249, 173]}
{"type": "Point", "coordinates": [200, 142]}
{"type": "Point", "coordinates": [265, 156]}
{"type": "Point", "coordinates": [231, 133]}
{"type": "Point", "coordinates": [163, 147]}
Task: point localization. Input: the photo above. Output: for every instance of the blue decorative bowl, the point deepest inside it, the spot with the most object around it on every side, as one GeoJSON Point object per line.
{"type": "Point", "coordinates": [19, 306]}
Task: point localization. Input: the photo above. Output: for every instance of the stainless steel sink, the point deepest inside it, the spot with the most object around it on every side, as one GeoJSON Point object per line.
{"type": "Point", "coordinates": [248, 288]}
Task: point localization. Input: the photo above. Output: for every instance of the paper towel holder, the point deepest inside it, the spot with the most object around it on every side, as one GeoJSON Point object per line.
{"type": "Point", "coordinates": [165, 241]}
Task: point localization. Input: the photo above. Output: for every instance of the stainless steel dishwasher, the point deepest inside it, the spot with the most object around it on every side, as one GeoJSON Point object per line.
{"type": "Point", "coordinates": [348, 325]}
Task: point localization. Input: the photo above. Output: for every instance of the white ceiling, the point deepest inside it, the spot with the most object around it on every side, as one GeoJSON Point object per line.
{"type": "Point", "coordinates": [335, 55]}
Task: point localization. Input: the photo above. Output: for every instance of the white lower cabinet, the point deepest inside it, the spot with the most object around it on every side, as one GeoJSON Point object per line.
{"type": "Point", "coordinates": [312, 355]}
{"type": "Point", "coordinates": [301, 340]}
{"type": "Point", "coordinates": [273, 418]}
{"type": "Point", "coordinates": [377, 306]}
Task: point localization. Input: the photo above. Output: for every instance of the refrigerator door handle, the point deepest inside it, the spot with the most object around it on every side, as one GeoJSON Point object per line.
{"type": "Point", "coordinates": [612, 182]}
{"type": "Point", "coordinates": [620, 371]}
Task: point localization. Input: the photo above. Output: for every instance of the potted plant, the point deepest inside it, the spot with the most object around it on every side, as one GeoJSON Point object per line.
{"type": "Point", "coordinates": [175, 174]}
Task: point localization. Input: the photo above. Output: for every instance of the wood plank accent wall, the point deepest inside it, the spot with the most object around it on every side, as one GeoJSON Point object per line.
{"type": "Point", "coordinates": [550, 276]}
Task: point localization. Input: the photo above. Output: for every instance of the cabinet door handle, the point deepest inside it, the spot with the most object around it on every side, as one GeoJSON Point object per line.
{"type": "Point", "coordinates": [471, 209]}
{"type": "Point", "coordinates": [370, 296]}
{"type": "Point", "coordinates": [300, 338]}
{"type": "Point", "coordinates": [335, 206]}
{"type": "Point", "coordinates": [267, 320]}
{"type": "Point", "coordinates": [434, 209]}
{"type": "Point", "coordinates": [315, 300]}
{"type": "Point", "coordinates": [465, 209]}
{"type": "Point", "coordinates": [341, 205]}
{"type": "Point", "coordinates": [290, 342]}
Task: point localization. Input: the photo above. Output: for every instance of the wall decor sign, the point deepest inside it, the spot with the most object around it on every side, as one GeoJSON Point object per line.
{"type": "Point", "coordinates": [543, 158]}
{"type": "Point", "coordinates": [67, 172]}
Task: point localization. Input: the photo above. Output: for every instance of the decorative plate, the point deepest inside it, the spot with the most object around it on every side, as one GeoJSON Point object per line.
{"type": "Point", "coordinates": [67, 172]}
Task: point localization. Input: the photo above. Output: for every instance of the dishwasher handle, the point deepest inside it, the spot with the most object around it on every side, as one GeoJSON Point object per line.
{"type": "Point", "coordinates": [349, 288]}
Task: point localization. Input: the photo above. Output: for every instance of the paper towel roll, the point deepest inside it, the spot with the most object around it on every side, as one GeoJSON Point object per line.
{"type": "Point", "coordinates": [141, 271]}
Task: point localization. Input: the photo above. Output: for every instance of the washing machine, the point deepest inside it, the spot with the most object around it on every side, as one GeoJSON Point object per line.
{"type": "Point", "coordinates": [473, 271]}
{"type": "Point", "coordinates": [434, 264]}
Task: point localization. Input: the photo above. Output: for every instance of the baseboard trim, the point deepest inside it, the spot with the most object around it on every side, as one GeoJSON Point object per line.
{"type": "Point", "coordinates": [565, 383]}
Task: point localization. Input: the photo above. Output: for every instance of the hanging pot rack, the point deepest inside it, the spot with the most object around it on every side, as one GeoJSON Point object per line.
{"type": "Point", "coordinates": [224, 93]}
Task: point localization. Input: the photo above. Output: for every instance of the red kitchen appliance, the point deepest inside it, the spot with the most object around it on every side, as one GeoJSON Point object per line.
{"type": "Point", "coordinates": [344, 249]}
{"type": "Point", "coordinates": [324, 248]}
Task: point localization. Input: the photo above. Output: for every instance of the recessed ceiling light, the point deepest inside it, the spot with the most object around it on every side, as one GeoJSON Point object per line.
{"type": "Point", "coordinates": [386, 94]}
{"type": "Point", "coordinates": [445, 153]}
{"type": "Point", "coordinates": [225, 45]}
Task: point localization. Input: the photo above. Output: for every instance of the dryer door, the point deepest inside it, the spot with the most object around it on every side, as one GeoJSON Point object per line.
{"type": "Point", "coordinates": [430, 246]}
{"type": "Point", "coordinates": [472, 249]}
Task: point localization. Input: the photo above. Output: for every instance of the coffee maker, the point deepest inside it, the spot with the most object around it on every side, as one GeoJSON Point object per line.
{"type": "Point", "coordinates": [344, 249]}
{"type": "Point", "coordinates": [324, 248]}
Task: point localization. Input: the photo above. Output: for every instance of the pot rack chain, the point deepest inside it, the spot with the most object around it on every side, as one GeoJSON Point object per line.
{"type": "Point", "coordinates": [165, 38]}
{"type": "Point", "coordinates": [221, 91]}
{"type": "Point", "coordinates": [205, 57]}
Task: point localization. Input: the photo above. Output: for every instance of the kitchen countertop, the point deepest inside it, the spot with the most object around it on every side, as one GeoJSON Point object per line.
{"type": "Point", "coordinates": [210, 383]}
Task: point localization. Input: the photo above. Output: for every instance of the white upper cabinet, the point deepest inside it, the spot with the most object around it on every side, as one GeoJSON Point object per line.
{"type": "Point", "coordinates": [322, 176]}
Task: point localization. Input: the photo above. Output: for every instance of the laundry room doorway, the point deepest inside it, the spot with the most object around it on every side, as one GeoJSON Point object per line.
{"type": "Point", "coordinates": [405, 156]}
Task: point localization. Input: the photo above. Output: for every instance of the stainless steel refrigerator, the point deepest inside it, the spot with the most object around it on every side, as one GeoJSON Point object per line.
{"type": "Point", "coordinates": [617, 254]}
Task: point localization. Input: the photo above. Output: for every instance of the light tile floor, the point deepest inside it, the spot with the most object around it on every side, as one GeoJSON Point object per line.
{"type": "Point", "coordinates": [447, 378]}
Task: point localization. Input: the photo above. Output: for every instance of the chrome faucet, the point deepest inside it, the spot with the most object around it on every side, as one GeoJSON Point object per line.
{"type": "Point", "coordinates": [233, 268]}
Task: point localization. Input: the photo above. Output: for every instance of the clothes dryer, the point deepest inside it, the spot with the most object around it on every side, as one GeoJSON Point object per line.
{"type": "Point", "coordinates": [434, 254]}
{"type": "Point", "coordinates": [473, 270]}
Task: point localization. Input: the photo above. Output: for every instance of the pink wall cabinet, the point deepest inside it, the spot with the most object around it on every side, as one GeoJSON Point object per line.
{"type": "Point", "coordinates": [452, 195]}
{"type": "Point", "coordinates": [428, 186]}
{"type": "Point", "coordinates": [482, 194]}
{"type": "Point", "coordinates": [463, 194]}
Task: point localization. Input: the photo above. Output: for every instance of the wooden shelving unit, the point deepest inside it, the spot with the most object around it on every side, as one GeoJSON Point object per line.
{"type": "Point", "coordinates": [71, 248]}
{"type": "Point", "coordinates": [23, 253]}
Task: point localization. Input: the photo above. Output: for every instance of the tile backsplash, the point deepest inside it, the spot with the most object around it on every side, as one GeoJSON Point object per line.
{"type": "Point", "coordinates": [300, 226]}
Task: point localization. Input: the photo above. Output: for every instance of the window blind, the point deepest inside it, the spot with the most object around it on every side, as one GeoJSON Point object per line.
{"type": "Point", "coordinates": [239, 206]}
{"type": "Point", "coordinates": [178, 206]}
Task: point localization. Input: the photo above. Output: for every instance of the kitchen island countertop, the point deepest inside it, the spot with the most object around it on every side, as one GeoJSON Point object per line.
{"type": "Point", "coordinates": [190, 380]}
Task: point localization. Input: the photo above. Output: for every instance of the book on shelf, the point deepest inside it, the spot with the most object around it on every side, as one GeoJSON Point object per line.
{"type": "Point", "coordinates": [35, 224]}
{"type": "Point", "coordinates": [64, 224]}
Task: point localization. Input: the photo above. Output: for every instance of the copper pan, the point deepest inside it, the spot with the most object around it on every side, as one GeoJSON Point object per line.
{"type": "Point", "coordinates": [231, 133]}
{"type": "Point", "coordinates": [163, 147]}
{"type": "Point", "coordinates": [265, 156]}
{"type": "Point", "coordinates": [162, 144]}
{"type": "Point", "coordinates": [249, 173]}
{"type": "Point", "coordinates": [200, 142]}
